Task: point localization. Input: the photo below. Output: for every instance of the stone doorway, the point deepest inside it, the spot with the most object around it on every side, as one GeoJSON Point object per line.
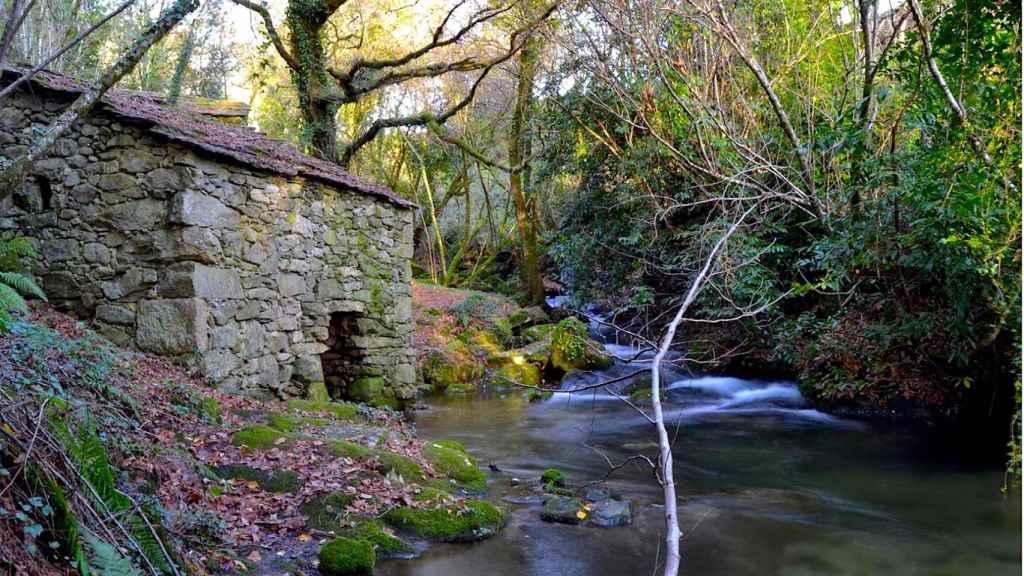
{"type": "Point", "coordinates": [342, 362]}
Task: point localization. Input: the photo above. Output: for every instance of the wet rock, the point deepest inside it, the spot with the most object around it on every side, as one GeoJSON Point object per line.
{"type": "Point", "coordinates": [596, 494]}
{"type": "Point", "coordinates": [610, 513]}
{"type": "Point", "coordinates": [563, 510]}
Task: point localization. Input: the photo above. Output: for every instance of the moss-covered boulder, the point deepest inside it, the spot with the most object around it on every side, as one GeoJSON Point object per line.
{"type": "Point", "coordinates": [478, 520]}
{"type": "Point", "coordinates": [521, 372]}
{"type": "Point", "coordinates": [572, 348]}
{"type": "Point", "coordinates": [366, 388]}
{"type": "Point", "coordinates": [454, 369]}
{"type": "Point", "coordinates": [393, 463]}
{"type": "Point", "coordinates": [347, 557]}
{"type": "Point", "coordinates": [385, 544]}
{"type": "Point", "coordinates": [350, 449]}
{"type": "Point", "coordinates": [259, 437]}
{"type": "Point", "coordinates": [564, 510]}
{"type": "Point", "coordinates": [537, 333]}
{"type": "Point", "coordinates": [455, 463]}
{"type": "Point", "coordinates": [317, 392]}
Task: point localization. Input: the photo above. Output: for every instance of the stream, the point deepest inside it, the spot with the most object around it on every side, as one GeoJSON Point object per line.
{"type": "Point", "coordinates": [767, 485]}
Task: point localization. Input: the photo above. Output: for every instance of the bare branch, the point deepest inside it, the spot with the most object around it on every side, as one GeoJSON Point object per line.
{"type": "Point", "coordinates": [268, 22]}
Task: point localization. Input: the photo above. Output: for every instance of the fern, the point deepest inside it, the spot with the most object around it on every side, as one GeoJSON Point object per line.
{"type": "Point", "coordinates": [13, 250]}
{"type": "Point", "coordinates": [22, 283]}
{"type": "Point", "coordinates": [105, 560]}
{"type": "Point", "coordinates": [15, 286]}
{"type": "Point", "coordinates": [86, 450]}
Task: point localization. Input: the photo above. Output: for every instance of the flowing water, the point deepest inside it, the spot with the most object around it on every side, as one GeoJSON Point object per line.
{"type": "Point", "coordinates": [767, 485]}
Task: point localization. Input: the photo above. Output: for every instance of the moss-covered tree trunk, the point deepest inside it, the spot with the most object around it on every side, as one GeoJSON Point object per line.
{"type": "Point", "coordinates": [518, 148]}
{"type": "Point", "coordinates": [306, 20]}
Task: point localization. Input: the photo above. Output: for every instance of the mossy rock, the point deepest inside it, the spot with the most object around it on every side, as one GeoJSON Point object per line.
{"type": "Point", "coordinates": [325, 511]}
{"type": "Point", "coordinates": [477, 521]}
{"type": "Point", "coordinates": [279, 481]}
{"type": "Point", "coordinates": [317, 392]}
{"type": "Point", "coordinates": [453, 445]}
{"type": "Point", "coordinates": [518, 372]}
{"type": "Point", "coordinates": [457, 465]}
{"type": "Point", "coordinates": [563, 510]}
{"type": "Point", "coordinates": [453, 368]}
{"type": "Point", "coordinates": [340, 410]}
{"type": "Point", "coordinates": [537, 395]}
{"type": "Point", "coordinates": [259, 437]}
{"type": "Point", "coordinates": [485, 345]}
{"type": "Point", "coordinates": [553, 477]}
{"type": "Point", "coordinates": [537, 333]}
{"type": "Point", "coordinates": [393, 463]}
{"type": "Point", "coordinates": [572, 348]}
{"type": "Point", "coordinates": [366, 388]}
{"type": "Point", "coordinates": [347, 557]}
{"type": "Point", "coordinates": [376, 533]}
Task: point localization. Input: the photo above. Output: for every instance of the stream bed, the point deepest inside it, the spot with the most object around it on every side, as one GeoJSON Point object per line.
{"type": "Point", "coordinates": [767, 485]}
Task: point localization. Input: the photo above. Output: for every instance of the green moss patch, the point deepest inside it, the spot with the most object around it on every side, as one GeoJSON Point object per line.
{"type": "Point", "coordinates": [376, 533]}
{"type": "Point", "coordinates": [553, 477]}
{"type": "Point", "coordinates": [271, 481]}
{"type": "Point", "coordinates": [519, 371]}
{"type": "Point", "coordinates": [395, 463]}
{"type": "Point", "coordinates": [350, 449]}
{"type": "Point", "coordinates": [290, 422]}
{"type": "Point", "coordinates": [325, 511]}
{"type": "Point", "coordinates": [347, 557]}
{"type": "Point", "coordinates": [477, 521]}
{"type": "Point", "coordinates": [340, 410]}
{"type": "Point", "coordinates": [456, 464]}
{"type": "Point", "coordinates": [259, 437]}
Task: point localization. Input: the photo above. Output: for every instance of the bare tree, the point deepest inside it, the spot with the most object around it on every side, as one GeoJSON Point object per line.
{"type": "Point", "coordinates": [322, 86]}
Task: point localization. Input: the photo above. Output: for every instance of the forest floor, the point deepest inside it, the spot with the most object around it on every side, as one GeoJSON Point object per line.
{"type": "Point", "coordinates": [230, 484]}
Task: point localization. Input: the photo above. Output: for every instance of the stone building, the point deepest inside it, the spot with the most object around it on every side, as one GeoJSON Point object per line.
{"type": "Point", "coordinates": [186, 236]}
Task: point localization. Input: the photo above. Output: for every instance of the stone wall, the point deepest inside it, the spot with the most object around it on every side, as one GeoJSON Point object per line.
{"type": "Point", "coordinates": [181, 253]}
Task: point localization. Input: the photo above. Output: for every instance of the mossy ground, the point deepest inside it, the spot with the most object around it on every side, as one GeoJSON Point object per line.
{"type": "Point", "coordinates": [340, 410]}
{"type": "Point", "coordinates": [259, 437]}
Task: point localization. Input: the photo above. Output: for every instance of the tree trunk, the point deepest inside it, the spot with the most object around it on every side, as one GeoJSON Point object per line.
{"type": "Point", "coordinates": [14, 172]}
{"type": "Point", "coordinates": [668, 485]}
{"type": "Point", "coordinates": [529, 261]}
{"type": "Point", "coordinates": [181, 68]}
{"type": "Point", "coordinates": [306, 19]}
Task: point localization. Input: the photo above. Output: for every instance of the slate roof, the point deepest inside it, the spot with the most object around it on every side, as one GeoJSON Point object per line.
{"type": "Point", "coordinates": [184, 125]}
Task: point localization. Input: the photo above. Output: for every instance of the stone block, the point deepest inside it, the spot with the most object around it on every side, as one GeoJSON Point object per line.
{"type": "Point", "coordinates": [172, 326]}
{"type": "Point", "coordinates": [308, 369]}
{"type": "Point", "coordinates": [291, 285]}
{"type": "Point", "coordinates": [219, 364]}
{"type": "Point", "coordinates": [193, 279]}
{"type": "Point", "coordinates": [133, 216]}
{"type": "Point", "coordinates": [194, 208]}
{"type": "Point", "coordinates": [113, 314]}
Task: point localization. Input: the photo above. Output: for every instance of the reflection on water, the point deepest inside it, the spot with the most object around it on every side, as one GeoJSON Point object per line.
{"type": "Point", "coordinates": [767, 486]}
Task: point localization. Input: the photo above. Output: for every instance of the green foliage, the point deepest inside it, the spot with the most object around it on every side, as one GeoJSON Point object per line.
{"type": "Point", "coordinates": [15, 286]}
{"type": "Point", "coordinates": [86, 450]}
{"type": "Point", "coordinates": [106, 560]}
